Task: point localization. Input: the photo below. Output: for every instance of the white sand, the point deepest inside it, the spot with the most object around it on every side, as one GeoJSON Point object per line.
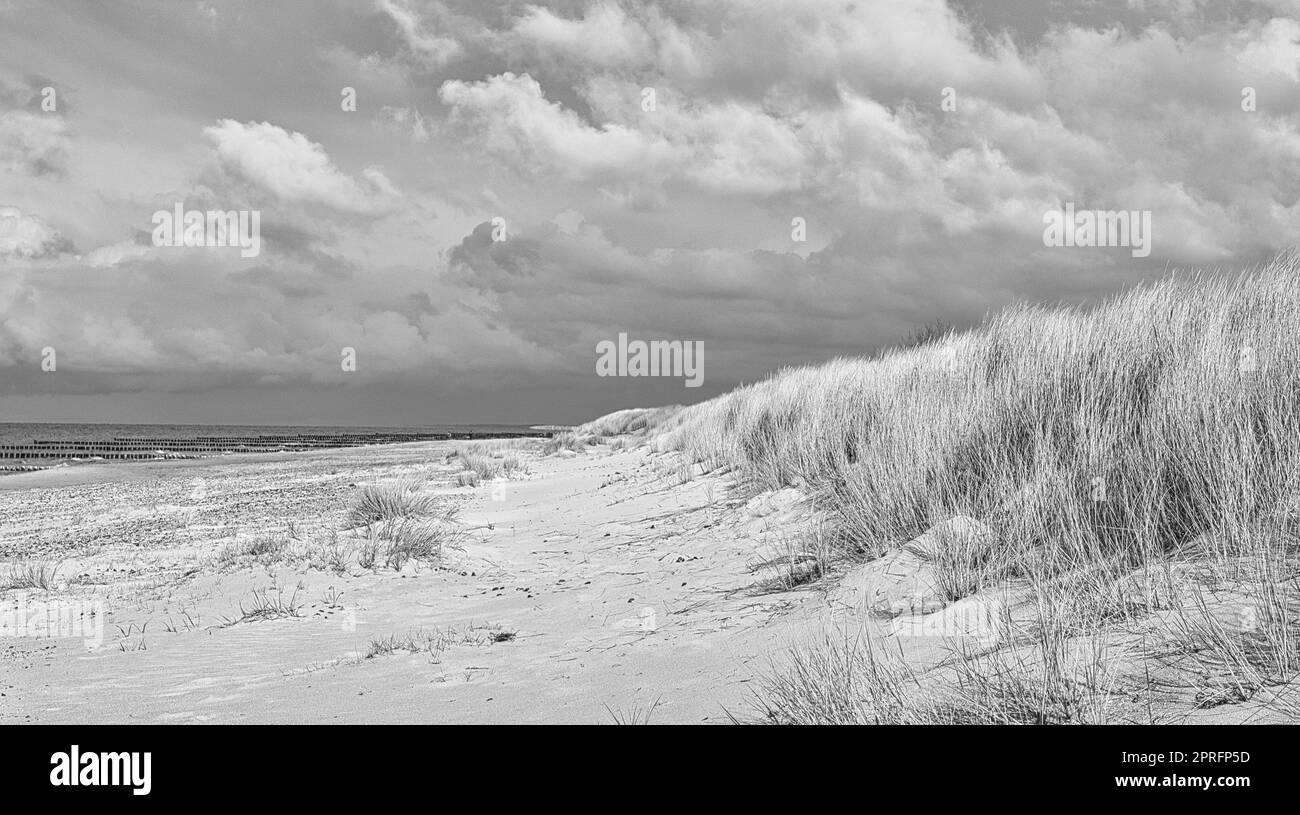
{"type": "Point", "coordinates": [622, 586]}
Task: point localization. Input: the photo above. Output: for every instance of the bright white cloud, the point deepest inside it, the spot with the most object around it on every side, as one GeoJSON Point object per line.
{"type": "Point", "coordinates": [605, 36]}
{"type": "Point", "coordinates": [1276, 50]}
{"type": "Point", "coordinates": [521, 126]}
{"type": "Point", "coordinates": [294, 168]}
{"type": "Point", "coordinates": [27, 237]}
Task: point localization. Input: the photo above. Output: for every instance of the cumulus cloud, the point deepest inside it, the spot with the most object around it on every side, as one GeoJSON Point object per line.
{"type": "Point", "coordinates": [296, 169]}
{"type": "Point", "coordinates": [519, 125]}
{"type": "Point", "coordinates": [723, 148]}
{"type": "Point", "coordinates": [842, 117]}
{"type": "Point", "coordinates": [605, 35]}
{"type": "Point", "coordinates": [27, 237]}
{"type": "Point", "coordinates": [1276, 50]}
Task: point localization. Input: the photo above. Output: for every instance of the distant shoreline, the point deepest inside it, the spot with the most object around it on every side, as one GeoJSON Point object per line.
{"type": "Point", "coordinates": [63, 450]}
{"type": "Point", "coordinates": [432, 427]}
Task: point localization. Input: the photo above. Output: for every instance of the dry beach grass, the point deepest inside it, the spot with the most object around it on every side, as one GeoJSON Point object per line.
{"type": "Point", "coordinates": [1133, 469]}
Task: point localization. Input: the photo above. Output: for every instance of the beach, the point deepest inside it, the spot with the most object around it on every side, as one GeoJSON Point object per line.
{"type": "Point", "coordinates": [591, 588]}
{"type": "Point", "coordinates": [595, 577]}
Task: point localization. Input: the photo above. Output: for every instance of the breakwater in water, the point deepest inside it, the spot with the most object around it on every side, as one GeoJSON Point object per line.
{"type": "Point", "coordinates": [35, 449]}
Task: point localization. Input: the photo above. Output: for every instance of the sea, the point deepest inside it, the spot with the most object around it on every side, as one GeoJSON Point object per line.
{"type": "Point", "coordinates": [86, 438]}
{"type": "Point", "coordinates": [28, 432]}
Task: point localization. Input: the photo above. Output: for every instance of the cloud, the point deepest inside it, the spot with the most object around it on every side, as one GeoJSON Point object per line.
{"type": "Point", "coordinates": [728, 148]}
{"type": "Point", "coordinates": [606, 36]}
{"type": "Point", "coordinates": [295, 169]}
{"type": "Point", "coordinates": [1277, 49]}
{"type": "Point", "coordinates": [181, 320]}
{"type": "Point", "coordinates": [27, 237]}
{"type": "Point", "coordinates": [33, 144]}
{"type": "Point", "coordinates": [115, 253]}
{"type": "Point", "coordinates": [673, 221]}
{"type": "Point", "coordinates": [566, 287]}
{"type": "Point", "coordinates": [520, 126]}
{"type": "Point", "coordinates": [840, 120]}
{"type": "Point", "coordinates": [810, 46]}
{"type": "Point", "coordinates": [428, 48]}
{"type": "Point", "coordinates": [406, 120]}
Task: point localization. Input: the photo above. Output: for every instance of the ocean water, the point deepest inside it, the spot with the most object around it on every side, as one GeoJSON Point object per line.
{"type": "Point", "coordinates": [27, 432]}
{"type": "Point", "coordinates": [24, 434]}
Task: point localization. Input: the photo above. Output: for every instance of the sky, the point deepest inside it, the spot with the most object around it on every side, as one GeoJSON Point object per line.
{"type": "Point", "coordinates": [813, 179]}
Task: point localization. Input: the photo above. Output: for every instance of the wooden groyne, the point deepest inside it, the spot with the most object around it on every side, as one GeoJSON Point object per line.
{"type": "Point", "coordinates": [127, 448]}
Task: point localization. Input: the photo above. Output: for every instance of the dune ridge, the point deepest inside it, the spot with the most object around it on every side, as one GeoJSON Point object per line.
{"type": "Point", "coordinates": [1132, 468]}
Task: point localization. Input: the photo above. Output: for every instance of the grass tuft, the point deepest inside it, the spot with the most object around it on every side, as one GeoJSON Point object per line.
{"type": "Point", "coordinates": [30, 575]}
{"type": "Point", "coordinates": [376, 503]}
{"type": "Point", "coordinates": [435, 641]}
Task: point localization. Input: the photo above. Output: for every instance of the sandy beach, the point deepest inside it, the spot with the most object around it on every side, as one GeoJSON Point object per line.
{"type": "Point", "coordinates": [593, 588]}
{"type": "Point", "coordinates": [619, 584]}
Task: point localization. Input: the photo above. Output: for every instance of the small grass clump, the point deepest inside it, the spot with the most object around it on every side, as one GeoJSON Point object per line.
{"type": "Point", "coordinates": [375, 503]}
{"type": "Point", "coordinates": [263, 550]}
{"type": "Point", "coordinates": [412, 540]}
{"type": "Point", "coordinates": [330, 553]}
{"type": "Point", "coordinates": [794, 563]}
{"type": "Point", "coordinates": [484, 461]}
{"type": "Point", "coordinates": [30, 575]}
{"type": "Point", "coordinates": [435, 641]}
{"type": "Point", "coordinates": [265, 606]}
{"type": "Point", "coordinates": [484, 467]}
{"type": "Point", "coordinates": [564, 441]}
{"type": "Point", "coordinates": [841, 680]}
{"type": "Point", "coordinates": [635, 715]}
{"type": "Point", "coordinates": [467, 478]}
{"type": "Point", "coordinates": [398, 540]}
